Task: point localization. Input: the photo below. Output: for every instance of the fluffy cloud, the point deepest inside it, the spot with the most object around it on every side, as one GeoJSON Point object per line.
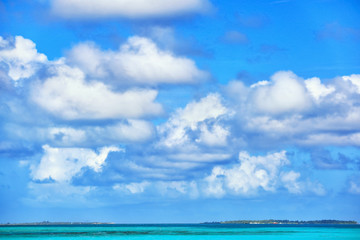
{"type": "Point", "coordinates": [284, 94]}
{"type": "Point", "coordinates": [216, 136]}
{"type": "Point", "coordinates": [251, 173]}
{"type": "Point", "coordinates": [62, 164]}
{"type": "Point", "coordinates": [318, 90]}
{"type": "Point", "coordinates": [21, 57]}
{"type": "Point", "coordinates": [298, 111]}
{"type": "Point", "coordinates": [196, 116]}
{"type": "Point", "coordinates": [355, 80]}
{"type": "Point", "coordinates": [139, 60]}
{"type": "Point", "coordinates": [124, 8]}
{"type": "Point", "coordinates": [69, 96]}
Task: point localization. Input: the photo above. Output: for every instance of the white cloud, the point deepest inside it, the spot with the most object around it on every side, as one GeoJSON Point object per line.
{"type": "Point", "coordinates": [290, 180]}
{"type": "Point", "coordinates": [216, 136]}
{"type": "Point", "coordinates": [354, 79]}
{"type": "Point", "coordinates": [285, 94]}
{"type": "Point", "coordinates": [137, 187]}
{"type": "Point", "coordinates": [164, 188]}
{"type": "Point", "coordinates": [89, 58]}
{"type": "Point", "coordinates": [215, 183]}
{"type": "Point", "coordinates": [62, 164]}
{"type": "Point", "coordinates": [67, 135]}
{"type": "Point", "coordinates": [131, 130]}
{"type": "Point", "coordinates": [139, 60]}
{"type": "Point", "coordinates": [237, 91]}
{"type": "Point", "coordinates": [260, 83]}
{"type": "Point", "coordinates": [125, 8]}
{"type": "Point", "coordinates": [252, 173]}
{"type": "Point", "coordinates": [134, 131]}
{"type": "Point", "coordinates": [133, 188]}
{"type": "Point", "coordinates": [192, 118]}
{"type": "Point", "coordinates": [67, 95]}
{"type": "Point", "coordinates": [177, 188]}
{"type": "Point", "coordinates": [293, 110]}
{"type": "Point", "coordinates": [317, 89]}
{"type": "Point", "coordinates": [21, 57]}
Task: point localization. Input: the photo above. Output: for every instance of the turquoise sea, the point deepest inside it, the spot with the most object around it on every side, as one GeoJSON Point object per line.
{"type": "Point", "coordinates": [183, 232]}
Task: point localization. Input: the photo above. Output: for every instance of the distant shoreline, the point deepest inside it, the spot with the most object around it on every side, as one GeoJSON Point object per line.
{"type": "Point", "coordinates": [270, 221]}
{"type": "Point", "coordinates": [47, 223]}
{"type": "Point", "coordinates": [273, 221]}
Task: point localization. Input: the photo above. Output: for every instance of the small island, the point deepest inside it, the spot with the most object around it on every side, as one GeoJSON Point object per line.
{"type": "Point", "coordinates": [269, 221]}
{"type": "Point", "coordinates": [273, 221]}
{"type": "Point", "coordinates": [47, 223]}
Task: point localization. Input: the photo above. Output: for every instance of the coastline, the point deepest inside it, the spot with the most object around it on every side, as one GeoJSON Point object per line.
{"type": "Point", "coordinates": [290, 222]}
{"type": "Point", "coordinates": [235, 222]}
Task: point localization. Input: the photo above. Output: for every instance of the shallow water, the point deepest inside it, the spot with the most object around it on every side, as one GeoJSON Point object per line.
{"type": "Point", "coordinates": [183, 232]}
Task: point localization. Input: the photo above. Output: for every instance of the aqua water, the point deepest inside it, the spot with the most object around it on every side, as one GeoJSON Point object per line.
{"type": "Point", "coordinates": [183, 232]}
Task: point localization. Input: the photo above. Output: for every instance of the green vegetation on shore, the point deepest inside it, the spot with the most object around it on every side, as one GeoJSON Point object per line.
{"type": "Point", "coordinates": [273, 221]}
{"type": "Point", "coordinates": [47, 223]}
{"type": "Point", "coordinates": [269, 221]}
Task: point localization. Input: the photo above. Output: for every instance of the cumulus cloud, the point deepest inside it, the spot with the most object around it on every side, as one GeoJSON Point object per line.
{"type": "Point", "coordinates": [285, 94]}
{"type": "Point", "coordinates": [355, 80]}
{"type": "Point", "coordinates": [62, 164]}
{"type": "Point", "coordinates": [318, 90]}
{"type": "Point", "coordinates": [196, 116]}
{"type": "Point", "coordinates": [216, 136]}
{"type": "Point", "coordinates": [21, 57]}
{"type": "Point", "coordinates": [139, 60]}
{"type": "Point", "coordinates": [136, 9]}
{"type": "Point", "coordinates": [69, 96]}
{"type": "Point", "coordinates": [255, 173]}
{"type": "Point", "coordinates": [300, 111]}
{"type": "Point", "coordinates": [251, 173]}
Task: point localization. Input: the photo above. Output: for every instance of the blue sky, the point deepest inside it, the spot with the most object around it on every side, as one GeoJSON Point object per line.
{"type": "Point", "coordinates": [179, 111]}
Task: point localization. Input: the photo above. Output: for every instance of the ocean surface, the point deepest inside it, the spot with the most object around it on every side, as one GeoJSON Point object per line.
{"type": "Point", "coordinates": [183, 232]}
